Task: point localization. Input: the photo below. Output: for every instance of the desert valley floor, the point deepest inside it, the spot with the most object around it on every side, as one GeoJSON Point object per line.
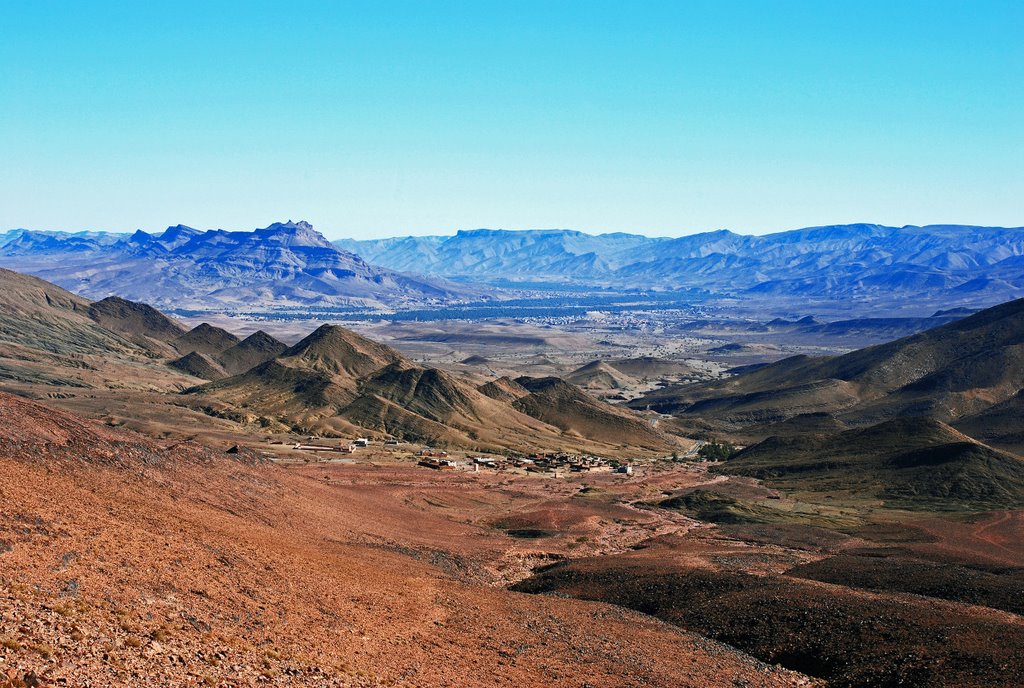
{"type": "Point", "coordinates": [130, 561]}
{"type": "Point", "coordinates": [557, 344]}
{"type": "Point", "coordinates": [187, 507]}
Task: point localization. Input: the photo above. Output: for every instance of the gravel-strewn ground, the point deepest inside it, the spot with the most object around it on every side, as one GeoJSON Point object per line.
{"type": "Point", "coordinates": [127, 562]}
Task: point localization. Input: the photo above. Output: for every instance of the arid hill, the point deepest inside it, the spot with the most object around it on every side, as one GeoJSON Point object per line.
{"type": "Point", "coordinates": [576, 413]}
{"type": "Point", "coordinates": [906, 462]}
{"type": "Point", "coordinates": [504, 389]}
{"type": "Point", "coordinates": [949, 372]}
{"type": "Point", "coordinates": [199, 365]}
{"type": "Point", "coordinates": [999, 425]}
{"type": "Point", "coordinates": [312, 379]}
{"type": "Point", "coordinates": [424, 403]}
{"type": "Point", "coordinates": [337, 381]}
{"type": "Point", "coordinates": [205, 339]}
{"type": "Point", "coordinates": [56, 339]}
{"type": "Point", "coordinates": [215, 353]}
{"type": "Point", "coordinates": [139, 322]}
{"type": "Point", "coordinates": [598, 375]}
{"type": "Point", "coordinates": [50, 337]}
{"type": "Point", "coordinates": [624, 373]}
{"type": "Point", "coordinates": [24, 295]}
{"type": "Point", "coordinates": [257, 348]}
{"type": "Point", "coordinates": [340, 353]}
{"type": "Point", "coordinates": [650, 367]}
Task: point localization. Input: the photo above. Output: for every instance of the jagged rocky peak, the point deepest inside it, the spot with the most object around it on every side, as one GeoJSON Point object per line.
{"type": "Point", "coordinates": [299, 233]}
{"type": "Point", "coordinates": [178, 232]}
{"type": "Point", "coordinates": [292, 226]}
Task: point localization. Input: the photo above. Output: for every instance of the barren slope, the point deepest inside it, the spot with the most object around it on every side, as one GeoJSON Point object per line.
{"type": "Point", "coordinates": [912, 461]}
{"type": "Point", "coordinates": [257, 348]}
{"type": "Point", "coordinates": [205, 339]}
{"type": "Point", "coordinates": [125, 561]}
{"type": "Point", "coordinates": [48, 338]}
{"type": "Point", "coordinates": [336, 381]}
{"type": "Point", "coordinates": [951, 371]}
{"type": "Point", "coordinates": [559, 403]}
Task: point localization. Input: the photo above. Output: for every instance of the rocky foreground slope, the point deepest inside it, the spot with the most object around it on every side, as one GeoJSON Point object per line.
{"type": "Point", "coordinates": [125, 561]}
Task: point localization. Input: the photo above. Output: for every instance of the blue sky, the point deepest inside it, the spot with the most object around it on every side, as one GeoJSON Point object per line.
{"type": "Point", "coordinates": [385, 118]}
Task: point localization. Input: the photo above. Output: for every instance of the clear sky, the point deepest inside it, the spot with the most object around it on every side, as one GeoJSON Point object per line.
{"type": "Point", "coordinates": [384, 118]}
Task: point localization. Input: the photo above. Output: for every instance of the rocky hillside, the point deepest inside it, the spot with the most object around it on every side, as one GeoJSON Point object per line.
{"type": "Point", "coordinates": [332, 381]}
{"type": "Point", "coordinates": [879, 422]}
{"type": "Point", "coordinates": [609, 374]}
{"type": "Point", "coordinates": [126, 561]}
{"type": "Point", "coordinates": [914, 462]}
{"type": "Point", "coordinates": [336, 381]}
{"type": "Point", "coordinates": [949, 372]}
{"type": "Point", "coordinates": [51, 337]}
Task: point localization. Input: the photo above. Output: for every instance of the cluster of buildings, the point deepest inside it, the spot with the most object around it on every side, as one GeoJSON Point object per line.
{"type": "Point", "coordinates": [576, 463]}
{"type": "Point", "coordinates": [536, 463]}
{"type": "Point", "coordinates": [439, 459]}
{"type": "Point", "coordinates": [436, 458]}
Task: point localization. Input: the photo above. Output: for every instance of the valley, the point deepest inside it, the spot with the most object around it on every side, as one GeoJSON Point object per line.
{"type": "Point", "coordinates": [508, 345]}
{"type": "Point", "coordinates": [186, 501]}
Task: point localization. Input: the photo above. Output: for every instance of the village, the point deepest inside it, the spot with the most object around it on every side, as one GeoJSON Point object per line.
{"type": "Point", "coordinates": [550, 464]}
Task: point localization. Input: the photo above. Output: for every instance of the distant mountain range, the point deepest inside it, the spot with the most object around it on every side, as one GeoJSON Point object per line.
{"type": "Point", "coordinates": [290, 264]}
{"type": "Point", "coordinates": [840, 261]}
{"type": "Point", "coordinates": [285, 264]}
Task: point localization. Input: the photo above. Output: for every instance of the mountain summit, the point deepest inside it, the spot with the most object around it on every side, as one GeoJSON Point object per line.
{"type": "Point", "coordinates": [290, 233]}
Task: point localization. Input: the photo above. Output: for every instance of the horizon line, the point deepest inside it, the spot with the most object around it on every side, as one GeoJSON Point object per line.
{"type": "Point", "coordinates": [456, 232]}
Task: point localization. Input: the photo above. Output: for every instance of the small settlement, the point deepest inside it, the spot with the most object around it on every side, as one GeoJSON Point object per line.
{"type": "Point", "coordinates": [553, 464]}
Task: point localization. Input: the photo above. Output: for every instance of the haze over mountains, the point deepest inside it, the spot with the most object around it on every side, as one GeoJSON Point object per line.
{"type": "Point", "coordinates": [839, 261]}
{"type": "Point", "coordinates": [290, 264]}
{"type": "Point", "coordinates": [285, 264]}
